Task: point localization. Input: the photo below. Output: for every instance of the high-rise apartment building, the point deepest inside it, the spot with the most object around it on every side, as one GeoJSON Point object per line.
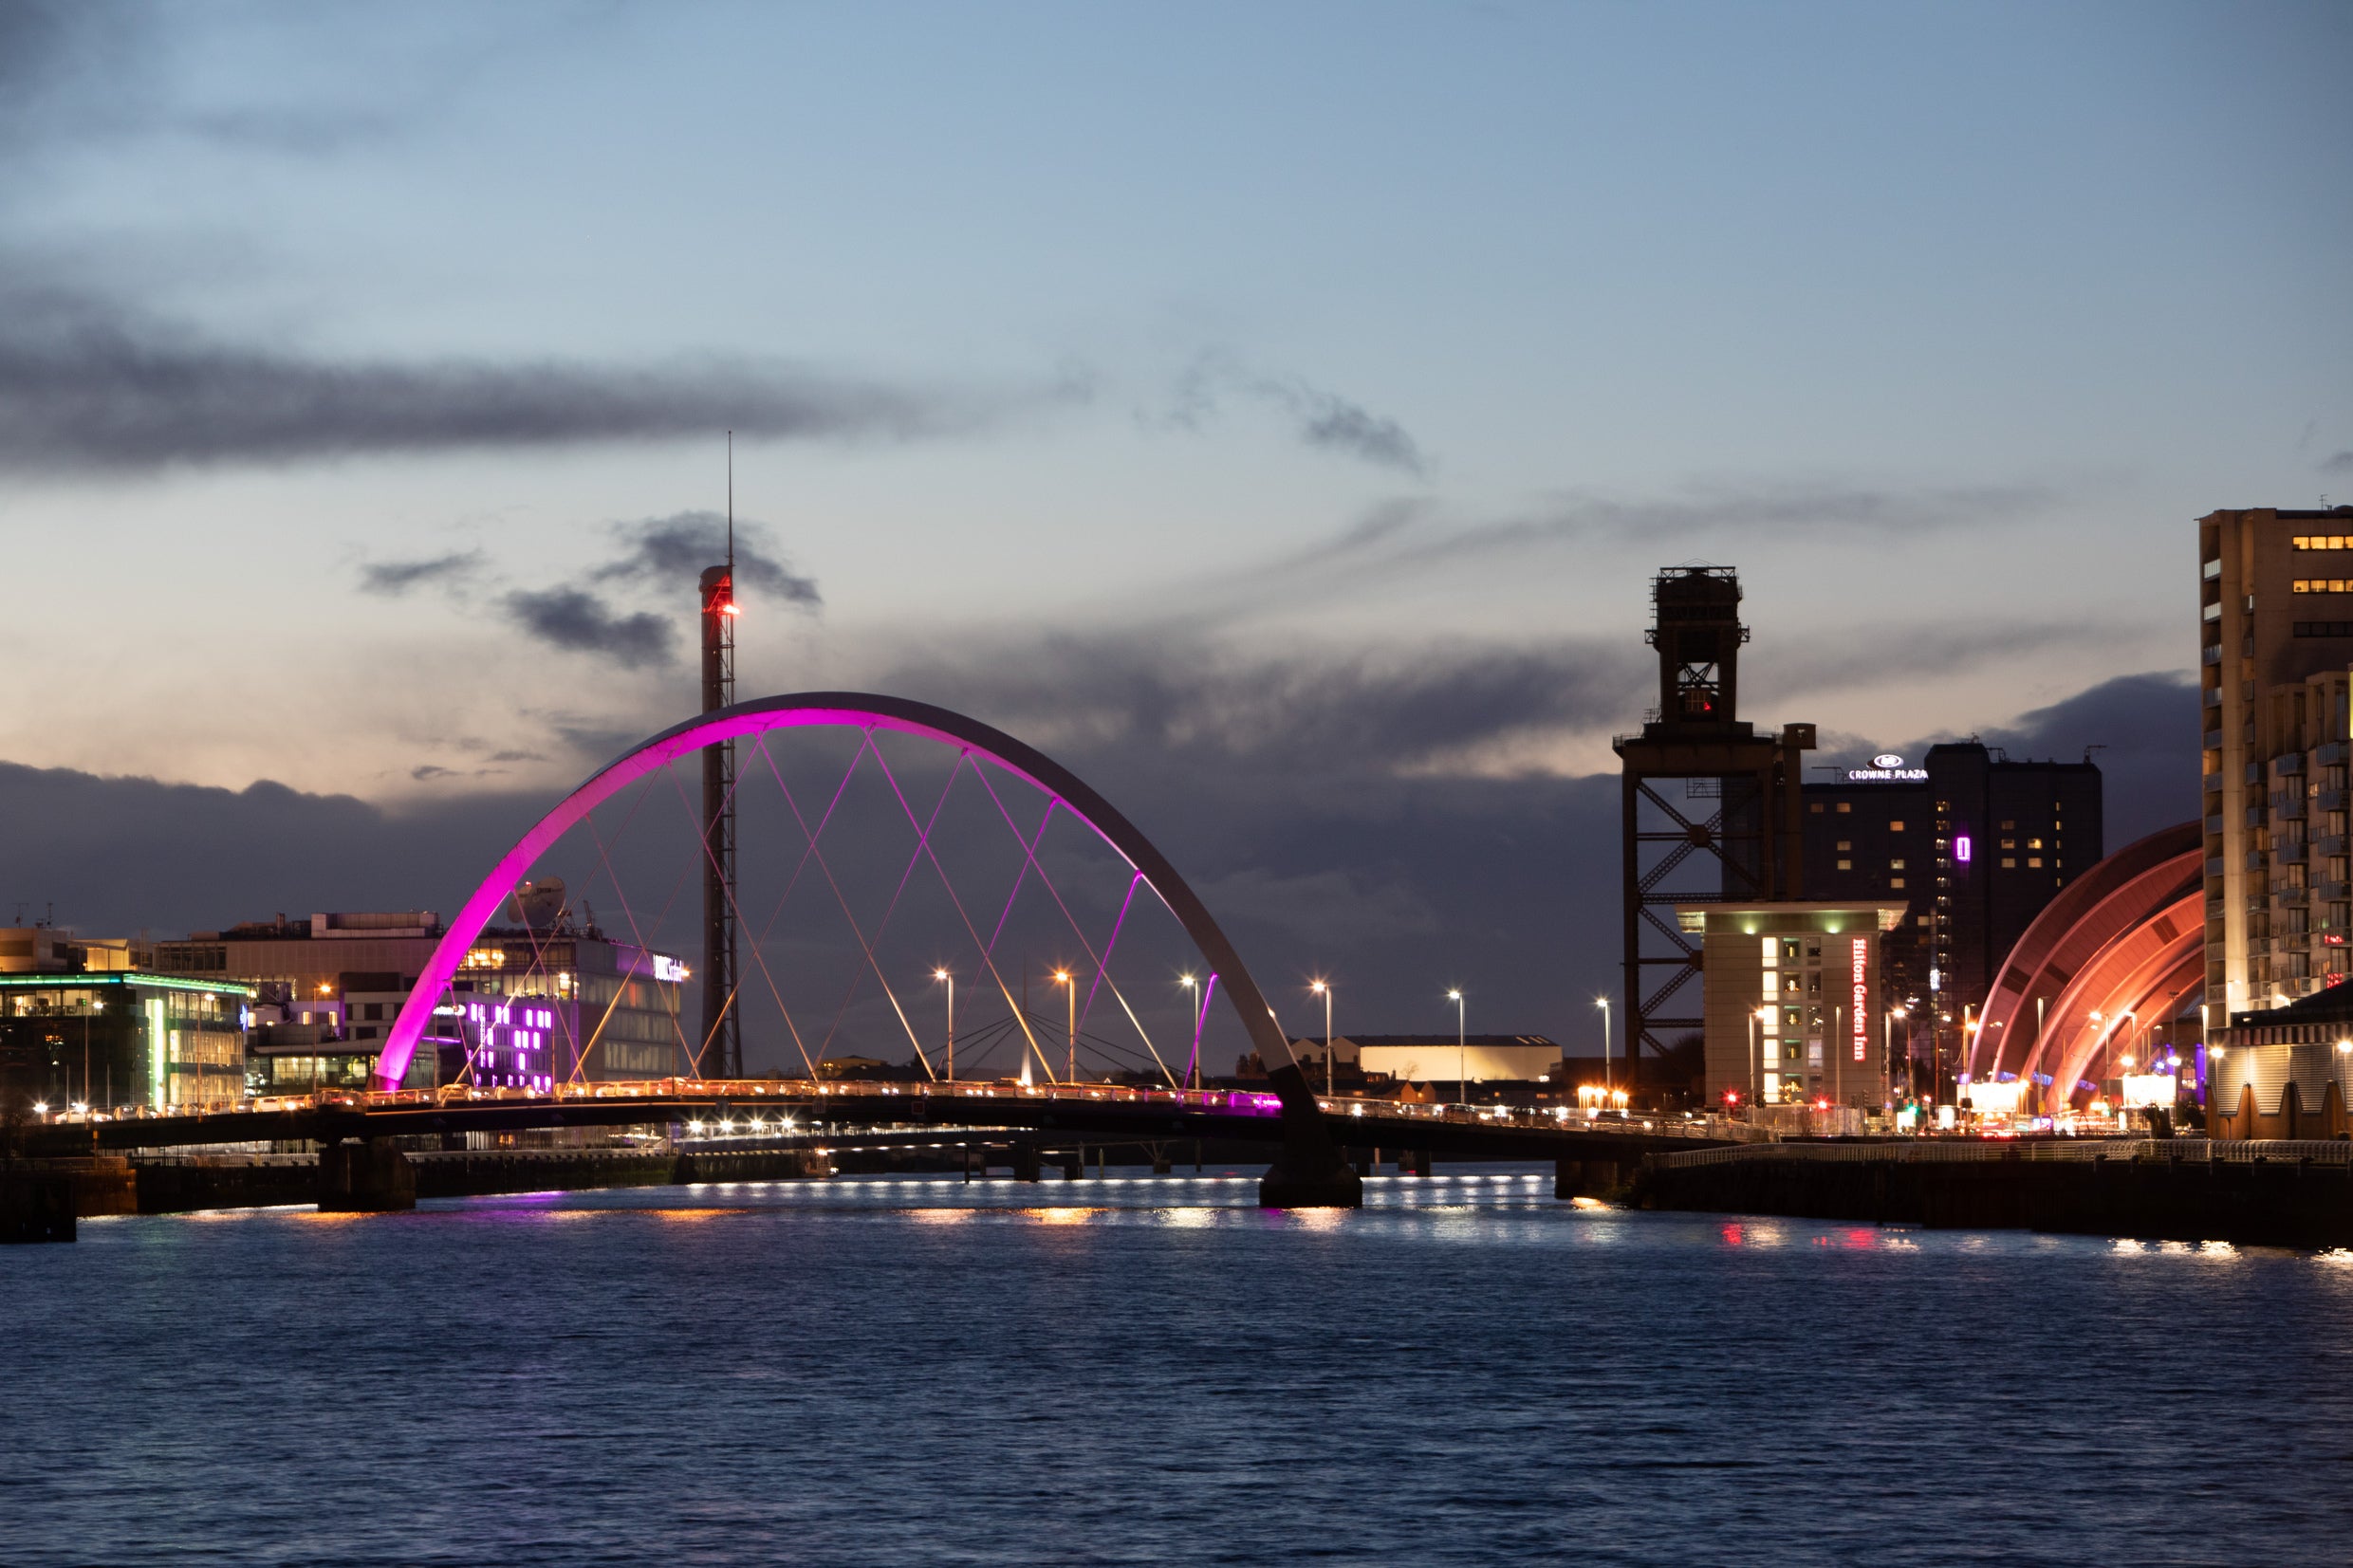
{"type": "Point", "coordinates": [1974, 845]}
{"type": "Point", "coordinates": [2276, 602]}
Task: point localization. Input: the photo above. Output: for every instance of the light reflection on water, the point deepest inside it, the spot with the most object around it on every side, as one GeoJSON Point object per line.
{"type": "Point", "coordinates": [1151, 1369]}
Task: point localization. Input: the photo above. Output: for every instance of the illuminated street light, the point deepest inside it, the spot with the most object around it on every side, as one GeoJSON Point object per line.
{"type": "Point", "coordinates": [1062, 978]}
{"type": "Point", "coordinates": [1603, 1003]}
{"type": "Point", "coordinates": [1192, 1067]}
{"type": "Point", "coordinates": [1462, 1051]}
{"type": "Point", "coordinates": [1324, 990]}
{"type": "Point", "coordinates": [943, 974]}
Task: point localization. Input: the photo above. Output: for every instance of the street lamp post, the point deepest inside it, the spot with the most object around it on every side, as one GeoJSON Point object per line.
{"type": "Point", "coordinates": [1888, 1048]}
{"type": "Point", "coordinates": [1762, 1015]}
{"type": "Point", "coordinates": [1462, 1049]}
{"type": "Point", "coordinates": [1324, 991]}
{"type": "Point", "coordinates": [1070, 994]}
{"type": "Point", "coordinates": [1603, 1003]}
{"type": "Point", "coordinates": [943, 974]}
{"type": "Point", "coordinates": [1192, 1067]}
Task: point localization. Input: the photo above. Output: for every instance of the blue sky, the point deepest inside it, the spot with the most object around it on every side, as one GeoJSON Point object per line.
{"type": "Point", "coordinates": [1279, 354]}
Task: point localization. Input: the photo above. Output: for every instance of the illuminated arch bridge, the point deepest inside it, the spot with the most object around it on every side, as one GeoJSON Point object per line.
{"type": "Point", "coordinates": [1310, 1167]}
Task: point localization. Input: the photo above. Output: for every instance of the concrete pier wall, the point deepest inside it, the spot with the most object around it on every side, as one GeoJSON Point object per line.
{"type": "Point", "coordinates": [2293, 1200]}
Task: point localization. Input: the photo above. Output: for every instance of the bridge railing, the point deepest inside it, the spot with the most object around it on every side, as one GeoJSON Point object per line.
{"type": "Point", "coordinates": [1976, 1151]}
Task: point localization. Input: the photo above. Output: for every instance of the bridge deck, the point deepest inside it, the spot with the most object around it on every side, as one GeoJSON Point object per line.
{"type": "Point", "coordinates": [1061, 1109]}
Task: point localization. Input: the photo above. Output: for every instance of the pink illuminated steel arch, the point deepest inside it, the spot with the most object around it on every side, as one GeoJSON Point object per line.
{"type": "Point", "coordinates": [861, 710]}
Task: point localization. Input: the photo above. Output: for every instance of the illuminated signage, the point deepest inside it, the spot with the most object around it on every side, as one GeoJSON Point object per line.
{"type": "Point", "coordinates": [1887, 767]}
{"type": "Point", "coordinates": [668, 968]}
{"type": "Point", "coordinates": [1862, 980]}
{"type": "Point", "coordinates": [1960, 849]}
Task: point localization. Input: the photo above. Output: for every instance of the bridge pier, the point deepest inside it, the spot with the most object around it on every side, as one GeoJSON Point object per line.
{"type": "Point", "coordinates": [1074, 1164]}
{"type": "Point", "coordinates": [366, 1177]}
{"type": "Point", "coordinates": [1413, 1162]}
{"type": "Point", "coordinates": [36, 1206]}
{"type": "Point", "coordinates": [1027, 1165]}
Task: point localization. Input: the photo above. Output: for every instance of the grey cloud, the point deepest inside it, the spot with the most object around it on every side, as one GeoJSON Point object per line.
{"type": "Point", "coordinates": [87, 388]}
{"type": "Point", "coordinates": [1308, 713]}
{"type": "Point", "coordinates": [2338, 463]}
{"type": "Point", "coordinates": [1394, 541]}
{"type": "Point", "coordinates": [674, 549]}
{"type": "Point", "coordinates": [391, 579]}
{"type": "Point", "coordinates": [1863, 653]}
{"type": "Point", "coordinates": [579, 621]}
{"type": "Point", "coordinates": [429, 772]}
{"type": "Point", "coordinates": [1323, 419]}
{"type": "Point", "coordinates": [1334, 422]}
{"type": "Point", "coordinates": [517, 757]}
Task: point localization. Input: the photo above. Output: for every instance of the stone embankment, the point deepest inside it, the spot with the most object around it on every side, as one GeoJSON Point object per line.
{"type": "Point", "coordinates": [2256, 1193]}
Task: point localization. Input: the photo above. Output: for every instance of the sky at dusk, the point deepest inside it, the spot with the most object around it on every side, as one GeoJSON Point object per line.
{"type": "Point", "coordinates": [1275, 411]}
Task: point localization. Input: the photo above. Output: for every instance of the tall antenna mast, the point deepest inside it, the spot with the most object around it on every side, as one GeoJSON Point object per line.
{"type": "Point", "coordinates": [722, 1052]}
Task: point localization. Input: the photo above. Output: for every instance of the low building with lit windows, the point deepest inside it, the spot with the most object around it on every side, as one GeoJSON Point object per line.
{"type": "Point", "coordinates": [121, 1038]}
{"type": "Point", "coordinates": [611, 1009]}
{"type": "Point", "coordinates": [1793, 1002]}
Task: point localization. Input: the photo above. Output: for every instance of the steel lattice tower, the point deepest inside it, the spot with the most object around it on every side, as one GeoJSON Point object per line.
{"type": "Point", "coordinates": [1739, 811]}
{"type": "Point", "coordinates": [722, 1054]}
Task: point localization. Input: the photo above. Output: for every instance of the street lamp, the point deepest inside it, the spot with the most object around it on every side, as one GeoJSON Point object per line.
{"type": "Point", "coordinates": [1603, 1003]}
{"type": "Point", "coordinates": [1326, 992]}
{"type": "Point", "coordinates": [1763, 1015]}
{"type": "Point", "coordinates": [1888, 1048]}
{"type": "Point", "coordinates": [1070, 994]}
{"type": "Point", "coordinates": [1462, 1049]}
{"type": "Point", "coordinates": [944, 975]}
{"type": "Point", "coordinates": [1192, 1068]}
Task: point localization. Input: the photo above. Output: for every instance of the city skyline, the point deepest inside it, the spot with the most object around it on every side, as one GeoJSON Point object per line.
{"type": "Point", "coordinates": [1293, 469]}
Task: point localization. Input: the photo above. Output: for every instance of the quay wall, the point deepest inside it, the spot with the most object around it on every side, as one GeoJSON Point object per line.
{"type": "Point", "coordinates": [2298, 1195]}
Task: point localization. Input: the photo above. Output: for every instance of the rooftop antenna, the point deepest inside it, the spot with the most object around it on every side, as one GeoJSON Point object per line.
{"type": "Point", "coordinates": [2090, 749]}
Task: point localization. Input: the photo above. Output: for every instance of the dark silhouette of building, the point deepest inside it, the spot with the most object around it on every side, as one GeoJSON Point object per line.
{"type": "Point", "coordinates": [1975, 846]}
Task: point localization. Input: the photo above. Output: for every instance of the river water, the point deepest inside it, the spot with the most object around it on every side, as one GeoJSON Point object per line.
{"type": "Point", "coordinates": [1132, 1370]}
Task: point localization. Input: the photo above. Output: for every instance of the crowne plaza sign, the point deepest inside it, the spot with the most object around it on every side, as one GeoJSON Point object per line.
{"type": "Point", "coordinates": [1887, 768]}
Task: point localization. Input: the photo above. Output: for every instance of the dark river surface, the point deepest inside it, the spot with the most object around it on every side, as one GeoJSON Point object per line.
{"type": "Point", "coordinates": [1132, 1370]}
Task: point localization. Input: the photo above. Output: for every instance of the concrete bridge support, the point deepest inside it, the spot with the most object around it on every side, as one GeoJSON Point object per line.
{"type": "Point", "coordinates": [366, 1177]}
{"type": "Point", "coordinates": [1027, 1164]}
{"type": "Point", "coordinates": [36, 1206]}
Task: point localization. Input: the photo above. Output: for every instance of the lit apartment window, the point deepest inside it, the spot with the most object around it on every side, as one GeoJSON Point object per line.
{"type": "Point", "coordinates": [1817, 808]}
{"type": "Point", "coordinates": [1895, 865]}
{"type": "Point", "coordinates": [1895, 826]}
{"type": "Point", "coordinates": [2006, 826]}
{"type": "Point", "coordinates": [2010, 862]}
{"type": "Point", "coordinates": [2010, 844]}
{"type": "Point", "coordinates": [2035, 843]}
{"type": "Point", "coordinates": [1846, 865]}
{"type": "Point", "coordinates": [2034, 860]}
{"type": "Point", "coordinates": [2318, 586]}
{"type": "Point", "coordinates": [1895, 882]}
{"type": "Point", "coordinates": [1845, 843]}
{"type": "Point", "coordinates": [1844, 807]}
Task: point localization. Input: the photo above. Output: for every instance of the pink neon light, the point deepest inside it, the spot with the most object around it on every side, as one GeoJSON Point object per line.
{"type": "Point", "coordinates": [855, 710]}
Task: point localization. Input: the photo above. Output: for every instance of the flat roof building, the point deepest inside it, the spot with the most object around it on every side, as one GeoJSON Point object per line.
{"type": "Point", "coordinates": [121, 1038]}
{"type": "Point", "coordinates": [1795, 1007]}
{"type": "Point", "coordinates": [613, 1008]}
